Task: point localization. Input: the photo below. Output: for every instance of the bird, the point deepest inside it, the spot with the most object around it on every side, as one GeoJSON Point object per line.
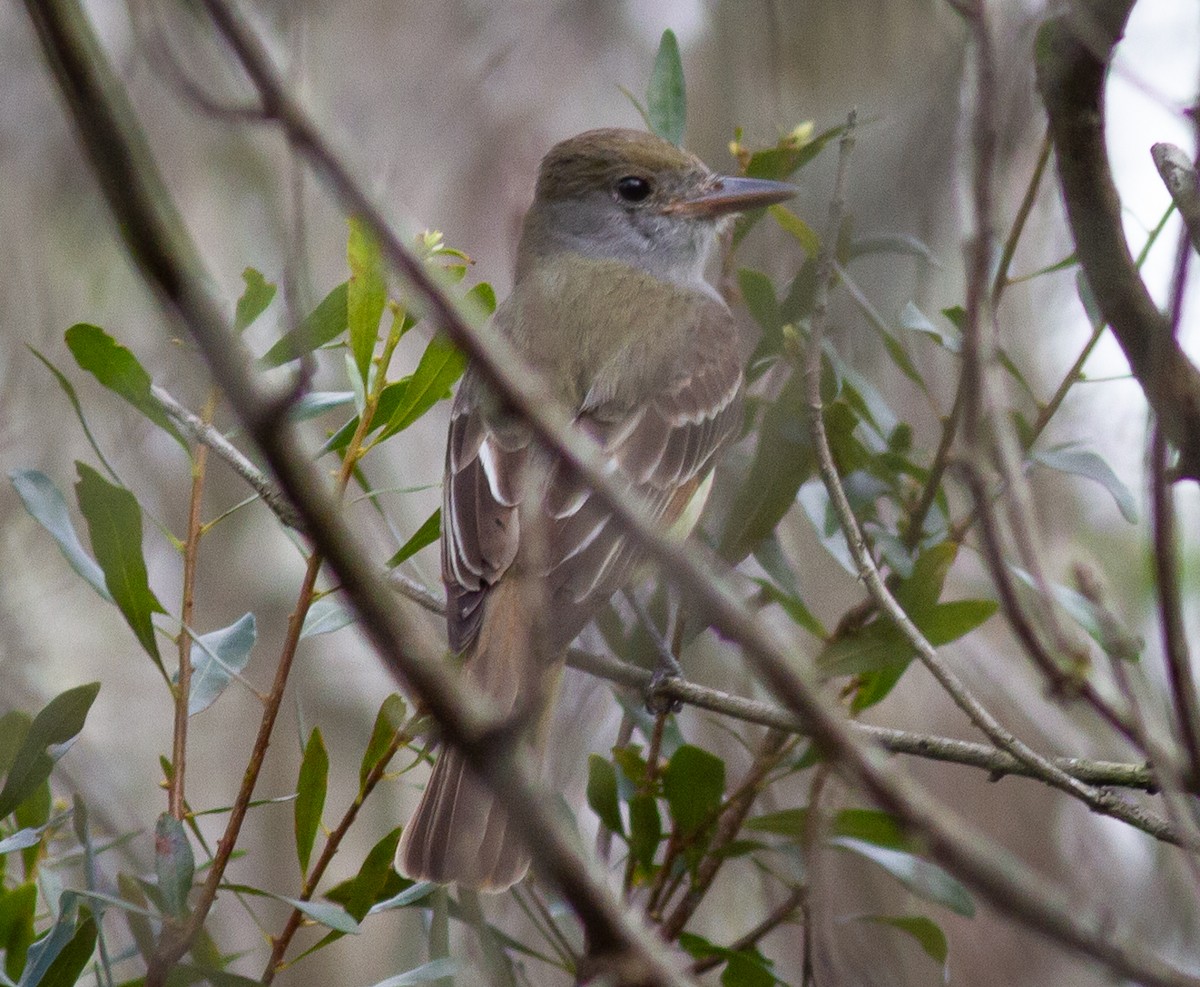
{"type": "Point", "coordinates": [611, 307]}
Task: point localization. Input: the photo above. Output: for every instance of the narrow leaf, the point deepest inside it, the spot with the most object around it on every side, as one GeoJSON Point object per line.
{"type": "Point", "coordinates": [388, 722]}
{"type": "Point", "coordinates": [71, 961]}
{"type": "Point", "coordinates": [310, 797]}
{"type": "Point", "coordinates": [369, 885]}
{"type": "Point", "coordinates": [323, 325]}
{"type": "Point", "coordinates": [217, 657]}
{"type": "Point", "coordinates": [366, 296]}
{"type": "Point", "coordinates": [440, 366]}
{"type": "Point", "coordinates": [326, 616]}
{"type": "Point", "coordinates": [803, 234]}
{"type": "Point", "coordinates": [48, 507]}
{"type": "Point", "coordinates": [257, 296]}
{"type": "Point", "coordinates": [427, 534]}
{"type": "Point", "coordinates": [602, 793]}
{"type": "Point", "coordinates": [174, 864]}
{"type": "Point", "coordinates": [666, 96]}
{"type": "Point", "coordinates": [1091, 466]}
{"type": "Point", "coordinates": [118, 369]}
{"type": "Point", "coordinates": [59, 722]}
{"type": "Point", "coordinates": [925, 931]}
{"type": "Point", "coordinates": [114, 522]}
{"type": "Point", "coordinates": [924, 879]}
{"type": "Point", "coordinates": [645, 829]}
{"type": "Point", "coordinates": [433, 970]}
{"type": "Point", "coordinates": [17, 907]}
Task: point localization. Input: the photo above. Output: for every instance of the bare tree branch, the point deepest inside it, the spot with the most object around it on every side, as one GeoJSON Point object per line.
{"type": "Point", "coordinates": [1074, 50]}
{"type": "Point", "coordinates": [1181, 180]}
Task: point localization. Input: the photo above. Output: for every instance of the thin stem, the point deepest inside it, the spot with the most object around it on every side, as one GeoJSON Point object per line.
{"type": "Point", "coordinates": [176, 799]}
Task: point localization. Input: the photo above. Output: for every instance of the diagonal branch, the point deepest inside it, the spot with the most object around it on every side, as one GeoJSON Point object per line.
{"type": "Point", "coordinates": [1074, 51]}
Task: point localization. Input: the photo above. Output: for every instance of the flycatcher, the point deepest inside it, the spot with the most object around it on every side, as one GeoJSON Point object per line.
{"type": "Point", "coordinates": [611, 306]}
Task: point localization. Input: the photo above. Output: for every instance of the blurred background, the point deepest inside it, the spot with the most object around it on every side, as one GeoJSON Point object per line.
{"type": "Point", "coordinates": [445, 110]}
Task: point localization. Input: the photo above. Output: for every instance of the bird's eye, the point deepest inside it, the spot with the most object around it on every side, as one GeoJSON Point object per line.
{"type": "Point", "coordinates": [633, 188]}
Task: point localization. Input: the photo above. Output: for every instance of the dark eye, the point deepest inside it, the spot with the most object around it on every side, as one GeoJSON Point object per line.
{"type": "Point", "coordinates": [633, 188]}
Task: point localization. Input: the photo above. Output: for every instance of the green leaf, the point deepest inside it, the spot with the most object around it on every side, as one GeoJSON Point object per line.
{"type": "Point", "coordinates": [645, 829]}
{"type": "Point", "coordinates": [217, 658]}
{"type": "Point", "coordinates": [257, 296]}
{"type": "Point", "coordinates": [71, 961]}
{"type": "Point", "coordinates": [440, 366]}
{"type": "Point", "coordinates": [310, 796]}
{"type": "Point", "coordinates": [59, 722]}
{"type": "Point", "coordinates": [326, 616]}
{"type": "Point", "coordinates": [1091, 466]}
{"type": "Point", "coordinates": [746, 970]}
{"type": "Point", "coordinates": [174, 864]}
{"type": "Point", "coordinates": [800, 231]}
{"type": "Point", "coordinates": [46, 506]}
{"type": "Point", "coordinates": [783, 460]}
{"type": "Point", "coordinates": [759, 295]}
{"type": "Point", "coordinates": [793, 606]}
{"type": "Point", "coordinates": [114, 522]}
{"type": "Point", "coordinates": [388, 722]}
{"type": "Point", "coordinates": [427, 534]}
{"type": "Point", "coordinates": [949, 621]}
{"type": "Point", "coordinates": [323, 325]}
{"type": "Point", "coordinates": [925, 931]}
{"type": "Point", "coordinates": [433, 970]}
{"type": "Point", "coordinates": [481, 297]}
{"type": "Point", "coordinates": [693, 783]}
{"type": "Point", "coordinates": [602, 793]}
{"type": "Point", "coordinates": [366, 295]}
{"type": "Point", "coordinates": [666, 96]}
{"type": "Point", "coordinates": [17, 908]}
{"type": "Point", "coordinates": [924, 879]}
{"type": "Point", "coordinates": [358, 894]}
{"type": "Point", "coordinates": [118, 370]}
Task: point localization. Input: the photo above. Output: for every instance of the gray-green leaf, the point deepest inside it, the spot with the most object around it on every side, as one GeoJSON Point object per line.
{"type": "Point", "coordinates": [666, 96]}
{"type": "Point", "coordinates": [1091, 466]}
{"type": "Point", "coordinates": [217, 658]}
{"type": "Point", "coordinates": [48, 507]}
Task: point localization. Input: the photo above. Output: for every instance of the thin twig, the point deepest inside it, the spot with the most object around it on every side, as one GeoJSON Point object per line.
{"type": "Point", "coordinates": [728, 826]}
{"type": "Point", "coordinates": [1179, 176]}
{"type": "Point", "coordinates": [777, 916]}
{"type": "Point", "coordinates": [199, 430]}
{"type": "Point", "coordinates": [176, 797]}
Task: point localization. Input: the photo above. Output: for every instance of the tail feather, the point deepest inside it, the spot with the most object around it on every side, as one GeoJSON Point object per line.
{"type": "Point", "coordinates": [460, 833]}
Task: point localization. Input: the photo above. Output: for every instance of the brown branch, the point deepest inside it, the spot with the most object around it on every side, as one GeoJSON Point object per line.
{"type": "Point", "coordinates": [985, 757]}
{"type": "Point", "coordinates": [176, 797]}
{"type": "Point", "coordinates": [1074, 51]}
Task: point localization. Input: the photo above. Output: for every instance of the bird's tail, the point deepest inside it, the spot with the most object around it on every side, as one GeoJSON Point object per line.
{"type": "Point", "coordinates": [460, 833]}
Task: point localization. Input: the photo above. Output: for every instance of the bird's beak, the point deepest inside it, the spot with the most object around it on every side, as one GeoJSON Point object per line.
{"type": "Point", "coordinates": [726, 195]}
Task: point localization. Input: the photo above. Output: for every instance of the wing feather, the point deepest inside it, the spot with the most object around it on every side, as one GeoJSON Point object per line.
{"type": "Point", "coordinates": [664, 446]}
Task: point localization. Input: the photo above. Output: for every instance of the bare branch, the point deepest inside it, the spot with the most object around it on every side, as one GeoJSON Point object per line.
{"type": "Point", "coordinates": [1181, 180]}
{"type": "Point", "coordinates": [1074, 50]}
